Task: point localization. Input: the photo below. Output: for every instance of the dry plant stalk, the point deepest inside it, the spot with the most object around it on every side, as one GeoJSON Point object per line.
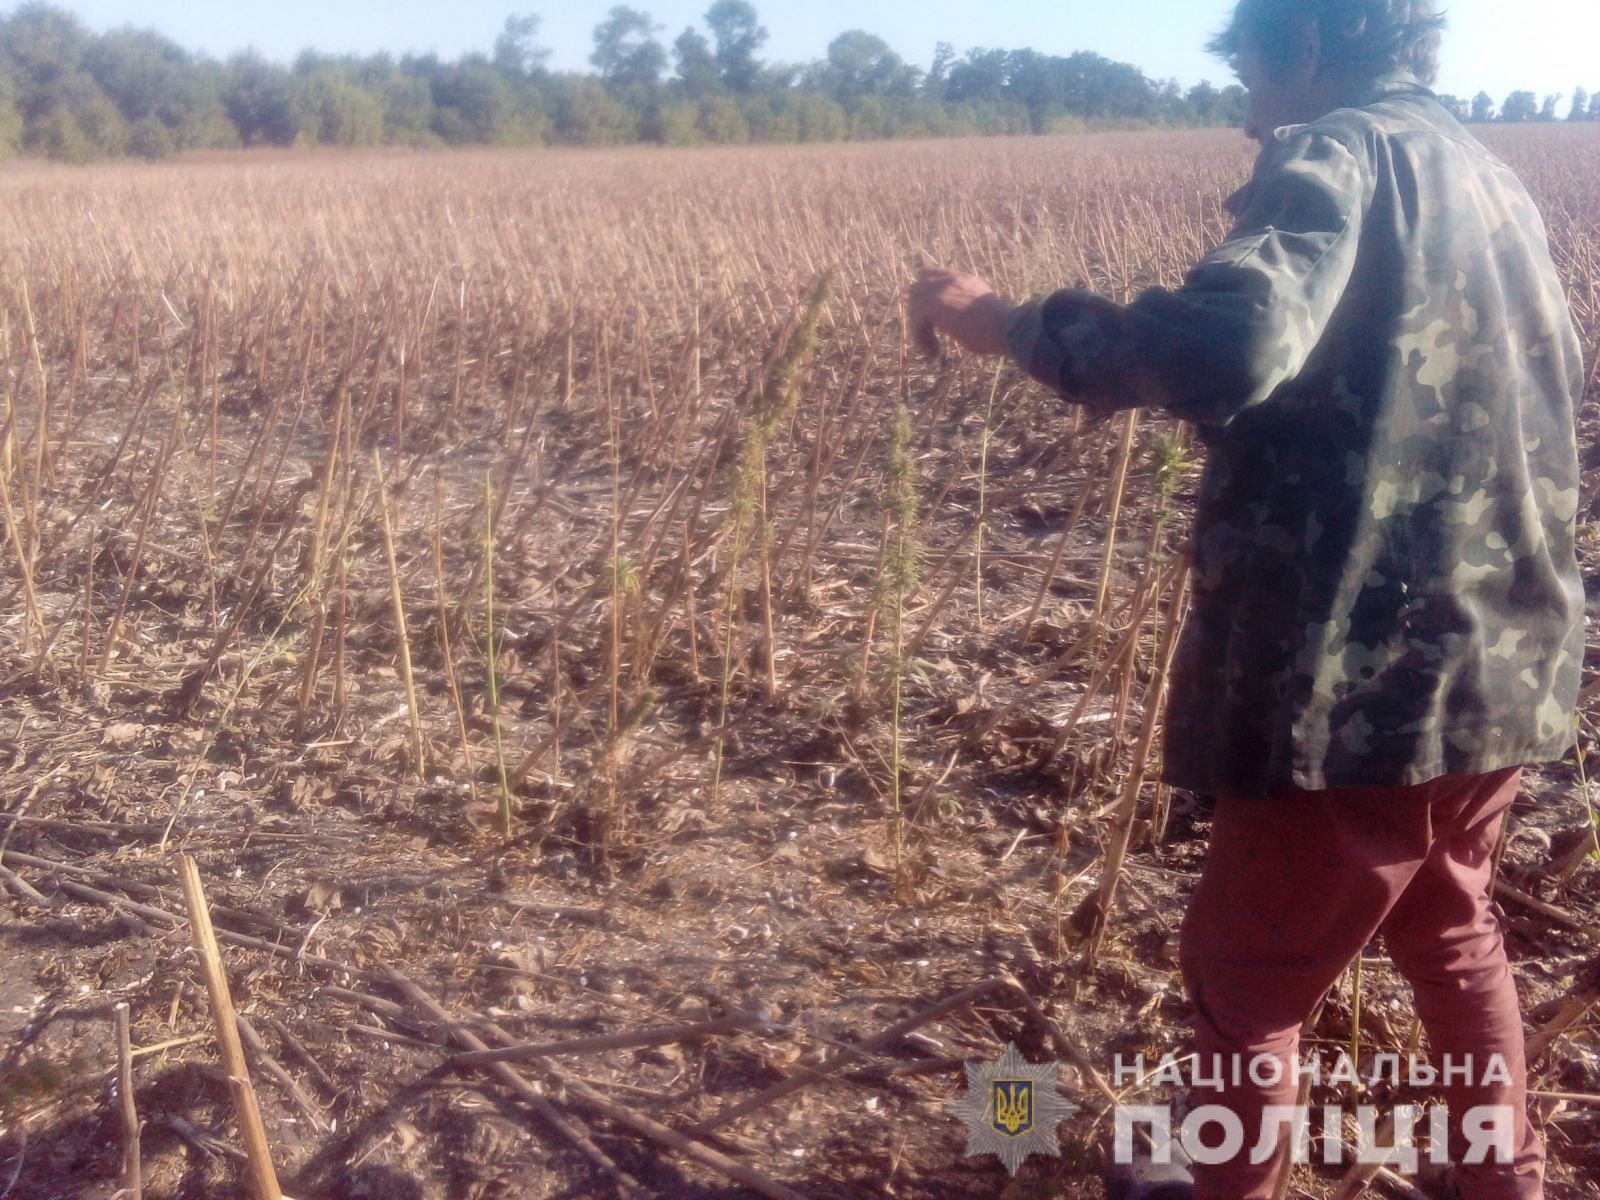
{"type": "Point", "coordinates": [151, 502]}
{"type": "Point", "coordinates": [982, 526]}
{"type": "Point", "coordinates": [899, 583]}
{"type": "Point", "coordinates": [446, 650]}
{"type": "Point", "coordinates": [774, 402]}
{"type": "Point", "coordinates": [315, 555]}
{"type": "Point", "coordinates": [492, 669]}
{"type": "Point", "coordinates": [218, 298]}
{"type": "Point", "coordinates": [419, 761]}
{"type": "Point", "coordinates": [1127, 809]}
{"type": "Point", "coordinates": [127, 1111]}
{"type": "Point", "coordinates": [263, 1178]}
{"type": "Point", "coordinates": [1119, 486]}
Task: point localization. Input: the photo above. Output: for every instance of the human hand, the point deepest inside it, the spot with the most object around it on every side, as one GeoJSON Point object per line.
{"type": "Point", "coordinates": [961, 306]}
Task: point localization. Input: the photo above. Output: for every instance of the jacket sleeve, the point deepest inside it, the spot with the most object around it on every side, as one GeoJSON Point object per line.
{"type": "Point", "coordinates": [1248, 316]}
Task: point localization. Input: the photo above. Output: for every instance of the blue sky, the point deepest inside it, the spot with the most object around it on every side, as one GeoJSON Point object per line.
{"type": "Point", "coordinates": [1542, 45]}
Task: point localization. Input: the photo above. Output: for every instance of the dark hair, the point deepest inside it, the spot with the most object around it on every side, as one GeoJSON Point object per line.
{"type": "Point", "coordinates": [1362, 38]}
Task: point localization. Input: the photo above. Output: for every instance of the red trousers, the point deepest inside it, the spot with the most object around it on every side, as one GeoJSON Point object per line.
{"type": "Point", "coordinates": [1294, 887]}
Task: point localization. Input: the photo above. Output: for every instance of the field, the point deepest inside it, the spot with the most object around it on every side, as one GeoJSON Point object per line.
{"type": "Point", "coordinates": [552, 584]}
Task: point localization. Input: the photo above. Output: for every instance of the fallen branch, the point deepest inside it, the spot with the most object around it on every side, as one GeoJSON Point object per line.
{"type": "Point", "coordinates": [151, 913]}
{"type": "Point", "coordinates": [1533, 904]}
{"type": "Point", "coordinates": [1573, 1011]}
{"type": "Point", "coordinates": [619, 1041]}
{"type": "Point", "coordinates": [105, 829]}
{"type": "Point", "coordinates": [1065, 1046]}
{"type": "Point", "coordinates": [169, 1044]}
{"type": "Point", "coordinates": [806, 1076]}
{"type": "Point", "coordinates": [23, 888]}
{"type": "Point", "coordinates": [145, 891]}
{"type": "Point", "coordinates": [205, 1143]}
{"type": "Point", "coordinates": [622, 1115]}
{"type": "Point", "coordinates": [307, 1059]}
{"type": "Point", "coordinates": [522, 1088]}
{"type": "Point", "coordinates": [389, 1037]}
{"type": "Point", "coordinates": [1584, 1098]}
{"type": "Point", "coordinates": [387, 1009]}
{"type": "Point", "coordinates": [596, 917]}
{"type": "Point", "coordinates": [274, 1070]}
{"type": "Point", "coordinates": [884, 1072]}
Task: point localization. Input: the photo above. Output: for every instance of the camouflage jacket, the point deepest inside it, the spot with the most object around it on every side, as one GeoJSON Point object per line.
{"type": "Point", "coordinates": [1382, 365]}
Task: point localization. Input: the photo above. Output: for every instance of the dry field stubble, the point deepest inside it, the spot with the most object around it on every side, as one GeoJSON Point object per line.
{"type": "Point", "coordinates": [517, 569]}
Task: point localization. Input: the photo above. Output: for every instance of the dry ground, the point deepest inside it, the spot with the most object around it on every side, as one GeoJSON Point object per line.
{"type": "Point", "coordinates": [224, 346]}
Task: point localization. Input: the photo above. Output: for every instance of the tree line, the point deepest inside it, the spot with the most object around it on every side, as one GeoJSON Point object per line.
{"type": "Point", "coordinates": [69, 93]}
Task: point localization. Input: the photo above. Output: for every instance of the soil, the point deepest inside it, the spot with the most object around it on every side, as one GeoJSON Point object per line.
{"type": "Point", "coordinates": [641, 886]}
{"type": "Point", "coordinates": [777, 897]}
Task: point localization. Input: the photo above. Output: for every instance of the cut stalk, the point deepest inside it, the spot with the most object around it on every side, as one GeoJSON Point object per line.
{"type": "Point", "coordinates": [397, 598]}
{"type": "Point", "coordinates": [127, 1111]}
{"type": "Point", "coordinates": [900, 579]}
{"type": "Point", "coordinates": [1130, 426]}
{"type": "Point", "coordinates": [983, 500]}
{"type": "Point", "coordinates": [491, 653]}
{"type": "Point", "coordinates": [445, 648]}
{"type": "Point", "coordinates": [1128, 806]}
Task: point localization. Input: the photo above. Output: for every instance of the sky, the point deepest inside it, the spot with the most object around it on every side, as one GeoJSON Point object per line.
{"type": "Point", "coordinates": [1542, 45]}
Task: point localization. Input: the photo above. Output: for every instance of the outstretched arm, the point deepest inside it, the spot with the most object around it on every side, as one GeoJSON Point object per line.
{"type": "Point", "coordinates": [1245, 321]}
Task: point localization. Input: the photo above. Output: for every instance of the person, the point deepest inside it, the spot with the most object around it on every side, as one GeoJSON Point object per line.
{"type": "Point", "coordinates": [1387, 618]}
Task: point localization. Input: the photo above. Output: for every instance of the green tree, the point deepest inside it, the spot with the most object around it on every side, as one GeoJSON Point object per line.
{"type": "Point", "coordinates": [861, 64]}
{"type": "Point", "coordinates": [1547, 111]}
{"type": "Point", "coordinates": [1203, 102]}
{"type": "Point", "coordinates": [1110, 89]}
{"type": "Point", "coordinates": [56, 134]}
{"type": "Point", "coordinates": [772, 116]}
{"type": "Point", "coordinates": [105, 128]}
{"type": "Point", "coordinates": [1233, 104]}
{"type": "Point", "coordinates": [259, 97]}
{"type": "Point", "coordinates": [1172, 105]}
{"type": "Point", "coordinates": [944, 57]}
{"type": "Point", "coordinates": [43, 49]}
{"type": "Point", "coordinates": [1456, 107]}
{"type": "Point", "coordinates": [338, 112]}
{"type": "Point", "coordinates": [407, 102]}
{"type": "Point", "coordinates": [821, 119]}
{"type": "Point", "coordinates": [149, 77]}
{"type": "Point", "coordinates": [739, 36]}
{"type": "Point", "coordinates": [1520, 106]}
{"type": "Point", "coordinates": [722, 121]}
{"type": "Point", "coordinates": [982, 75]}
{"type": "Point", "coordinates": [676, 123]}
{"type": "Point", "coordinates": [70, 93]}
{"type": "Point", "coordinates": [696, 63]}
{"type": "Point", "coordinates": [587, 114]}
{"type": "Point", "coordinates": [1580, 105]}
{"type": "Point", "coordinates": [516, 50]}
{"type": "Point", "coordinates": [150, 139]}
{"type": "Point", "coordinates": [473, 103]}
{"type": "Point", "coordinates": [10, 118]}
{"type": "Point", "coordinates": [64, 112]}
{"type": "Point", "coordinates": [870, 119]}
{"type": "Point", "coordinates": [626, 52]}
